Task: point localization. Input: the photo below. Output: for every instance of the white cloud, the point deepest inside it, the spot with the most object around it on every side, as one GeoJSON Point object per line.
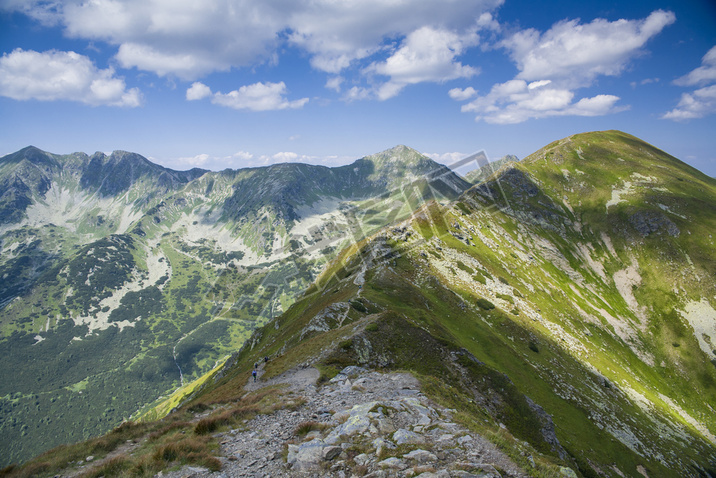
{"type": "Point", "coordinates": [198, 161]}
{"type": "Point", "coordinates": [358, 93]}
{"type": "Point", "coordinates": [258, 97]}
{"type": "Point", "coordinates": [285, 157]}
{"type": "Point", "coordinates": [697, 104]}
{"type": "Point", "coordinates": [460, 94]}
{"type": "Point", "coordinates": [426, 55]}
{"type": "Point", "coordinates": [334, 83]}
{"type": "Point", "coordinates": [706, 73]}
{"type": "Point", "coordinates": [576, 53]}
{"type": "Point", "coordinates": [184, 38]}
{"type": "Point", "coordinates": [701, 102]}
{"type": "Point", "coordinates": [338, 33]}
{"type": "Point", "coordinates": [190, 39]}
{"type": "Point", "coordinates": [243, 155]}
{"type": "Point", "coordinates": [538, 84]}
{"type": "Point", "coordinates": [245, 159]}
{"type": "Point", "coordinates": [182, 64]}
{"type": "Point", "coordinates": [516, 101]}
{"type": "Point", "coordinates": [197, 91]}
{"type": "Point", "coordinates": [643, 82]}
{"type": "Point", "coordinates": [237, 160]}
{"type": "Point", "coordinates": [62, 75]}
{"type": "Point", "coordinates": [554, 64]}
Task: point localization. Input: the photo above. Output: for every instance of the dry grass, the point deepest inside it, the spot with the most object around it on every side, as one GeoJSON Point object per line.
{"type": "Point", "coordinates": [307, 427]}
{"type": "Point", "coordinates": [175, 440]}
{"type": "Point", "coordinates": [116, 466]}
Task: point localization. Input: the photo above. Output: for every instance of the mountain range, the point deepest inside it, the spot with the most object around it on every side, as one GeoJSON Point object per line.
{"type": "Point", "coordinates": [563, 307]}
{"type": "Point", "coordinates": [124, 280]}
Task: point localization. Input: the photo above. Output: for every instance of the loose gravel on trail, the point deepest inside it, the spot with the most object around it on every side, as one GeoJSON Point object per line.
{"type": "Point", "coordinates": [364, 423]}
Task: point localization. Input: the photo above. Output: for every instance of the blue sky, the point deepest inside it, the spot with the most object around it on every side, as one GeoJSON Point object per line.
{"type": "Point", "coordinates": [237, 83]}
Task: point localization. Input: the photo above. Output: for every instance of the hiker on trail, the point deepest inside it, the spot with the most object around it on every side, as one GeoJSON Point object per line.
{"type": "Point", "coordinates": [254, 374]}
{"type": "Point", "coordinates": [266, 359]}
{"type": "Point", "coordinates": [256, 365]}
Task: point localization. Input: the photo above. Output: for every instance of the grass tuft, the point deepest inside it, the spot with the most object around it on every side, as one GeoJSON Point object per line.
{"type": "Point", "coordinates": [304, 428]}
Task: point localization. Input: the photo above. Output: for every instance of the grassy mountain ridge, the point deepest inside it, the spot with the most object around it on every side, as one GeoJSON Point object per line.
{"type": "Point", "coordinates": [482, 173]}
{"type": "Point", "coordinates": [515, 296]}
{"type": "Point", "coordinates": [129, 280]}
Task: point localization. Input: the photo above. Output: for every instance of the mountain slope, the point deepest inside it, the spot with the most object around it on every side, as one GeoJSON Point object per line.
{"type": "Point", "coordinates": [480, 174]}
{"type": "Point", "coordinates": [582, 329]}
{"type": "Point", "coordinates": [563, 310]}
{"type": "Point", "coordinates": [124, 280]}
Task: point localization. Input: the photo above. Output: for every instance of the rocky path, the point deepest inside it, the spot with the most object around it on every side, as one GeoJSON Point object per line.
{"type": "Point", "coordinates": [298, 380]}
{"type": "Point", "coordinates": [361, 423]}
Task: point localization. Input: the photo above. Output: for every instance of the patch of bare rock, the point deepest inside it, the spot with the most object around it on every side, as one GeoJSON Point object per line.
{"type": "Point", "coordinates": [361, 423]}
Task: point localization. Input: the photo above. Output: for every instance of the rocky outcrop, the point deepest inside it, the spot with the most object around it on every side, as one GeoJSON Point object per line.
{"type": "Point", "coordinates": [653, 222]}
{"type": "Point", "coordinates": [362, 423]}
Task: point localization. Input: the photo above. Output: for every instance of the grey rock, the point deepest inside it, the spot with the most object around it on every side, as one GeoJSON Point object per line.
{"type": "Point", "coordinates": [330, 452]}
{"type": "Point", "coordinates": [394, 463]}
{"type": "Point", "coordinates": [421, 456]}
{"type": "Point", "coordinates": [404, 437]}
{"type": "Point", "coordinates": [568, 472]}
{"type": "Point", "coordinates": [463, 440]}
{"type": "Point", "coordinates": [437, 474]}
{"type": "Point", "coordinates": [353, 370]}
{"type": "Point", "coordinates": [363, 459]}
{"type": "Point", "coordinates": [649, 222]}
{"type": "Point", "coordinates": [306, 456]}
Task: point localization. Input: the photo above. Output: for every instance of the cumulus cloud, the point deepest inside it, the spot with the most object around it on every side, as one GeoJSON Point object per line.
{"type": "Point", "coordinates": [62, 75]}
{"type": "Point", "coordinates": [198, 161]}
{"type": "Point", "coordinates": [239, 159]}
{"type": "Point", "coordinates": [257, 97]}
{"type": "Point", "coordinates": [243, 155]}
{"type": "Point", "coordinates": [426, 55]}
{"type": "Point", "coordinates": [516, 101]}
{"type": "Point", "coordinates": [191, 39]}
{"type": "Point", "coordinates": [553, 65]}
{"type": "Point", "coordinates": [198, 91]}
{"type": "Point", "coordinates": [334, 83]}
{"type": "Point", "coordinates": [285, 157]}
{"type": "Point", "coordinates": [459, 94]}
{"type": "Point", "coordinates": [358, 93]}
{"type": "Point", "coordinates": [338, 33]}
{"type": "Point", "coordinates": [706, 73]}
{"type": "Point", "coordinates": [696, 104]}
{"type": "Point", "coordinates": [701, 102]}
{"type": "Point", "coordinates": [577, 53]}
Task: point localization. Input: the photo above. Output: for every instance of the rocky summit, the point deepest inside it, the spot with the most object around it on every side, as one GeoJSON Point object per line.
{"type": "Point", "coordinates": [558, 318]}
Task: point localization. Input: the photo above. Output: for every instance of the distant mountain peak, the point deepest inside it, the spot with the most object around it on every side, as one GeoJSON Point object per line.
{"type": "Point", "coordinates": [482, 173]}
{"type": "Point", "coordinates": [396, 152]}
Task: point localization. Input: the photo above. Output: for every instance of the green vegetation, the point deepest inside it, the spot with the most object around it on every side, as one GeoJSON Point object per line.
{"type": "Point", "coordinates": [144, 449]}
{"type": "Point", "coordinates": [584, 367]}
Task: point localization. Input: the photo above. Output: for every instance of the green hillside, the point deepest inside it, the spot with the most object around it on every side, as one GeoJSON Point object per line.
{"type": "Point", "coordinates": [526, 291]}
